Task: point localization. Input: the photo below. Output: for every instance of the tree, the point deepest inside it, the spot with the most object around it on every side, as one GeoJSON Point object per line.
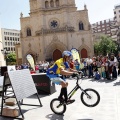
{"type": "Point", "coordinates": [11, 59]}
{"type": "Point", "coordinates": [105, 46]}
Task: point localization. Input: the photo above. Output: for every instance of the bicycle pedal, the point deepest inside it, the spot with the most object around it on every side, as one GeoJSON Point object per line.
{"type": "Point", "coordinates": [70, 102]}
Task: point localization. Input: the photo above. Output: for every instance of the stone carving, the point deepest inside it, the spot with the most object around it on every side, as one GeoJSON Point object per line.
{"type": "Point", "coordinates": [49, 31]}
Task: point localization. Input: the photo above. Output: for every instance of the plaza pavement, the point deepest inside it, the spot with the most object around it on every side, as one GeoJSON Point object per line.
{"type": "Point", "coordinates": [108, 108]}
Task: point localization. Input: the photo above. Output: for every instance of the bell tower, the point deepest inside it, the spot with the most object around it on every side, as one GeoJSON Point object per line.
{"type": "Point", "coordinates": [36, 4]}
{"type": "Point", "coordinates": [68, 2]}
{"type": "Point", "coordinates": [41, 5]}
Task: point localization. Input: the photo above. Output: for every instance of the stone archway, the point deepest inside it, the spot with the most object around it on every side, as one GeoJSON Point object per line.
{"type": "Point", "coordinates": [84, 53]}
{"type": "Point", "coordinates": [54, 48]}
{"type": "Point", "coordinates": [57, 54]}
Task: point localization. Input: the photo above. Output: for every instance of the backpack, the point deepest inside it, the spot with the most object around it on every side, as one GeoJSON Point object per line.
{"type": "Point", "coordinates": [97, 76]}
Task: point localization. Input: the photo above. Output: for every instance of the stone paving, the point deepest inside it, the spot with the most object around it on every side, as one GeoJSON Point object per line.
{"type": "Point", "coordinates": [108, 108]}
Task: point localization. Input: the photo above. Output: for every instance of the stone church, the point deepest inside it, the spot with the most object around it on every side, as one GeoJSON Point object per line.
{"type": "Point", "coordinates": [54, 26]}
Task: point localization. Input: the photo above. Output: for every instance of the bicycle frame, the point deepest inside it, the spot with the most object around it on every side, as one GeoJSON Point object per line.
{"type": "Point", "coordinates": [74, 90]}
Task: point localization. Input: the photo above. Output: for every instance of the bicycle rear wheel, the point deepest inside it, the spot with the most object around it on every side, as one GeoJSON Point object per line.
{"type": "Point", "coordinates": [57, 107]}
{"type": "Point", "coordinates": [90, 98]}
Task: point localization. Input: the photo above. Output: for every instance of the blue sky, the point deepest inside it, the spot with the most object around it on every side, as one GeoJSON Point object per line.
{"type": "Point", "coordinates": [10, 11]}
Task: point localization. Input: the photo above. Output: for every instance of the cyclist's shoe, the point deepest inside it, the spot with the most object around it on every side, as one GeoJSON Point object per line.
{"type": "Point", "coordinates": [61, 99]}
{"type": "Point", "coordinates": [69, 101]}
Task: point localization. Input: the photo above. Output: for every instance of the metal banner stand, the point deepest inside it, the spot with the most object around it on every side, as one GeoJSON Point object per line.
{"type": "Point", "coordinates": [7, 83]}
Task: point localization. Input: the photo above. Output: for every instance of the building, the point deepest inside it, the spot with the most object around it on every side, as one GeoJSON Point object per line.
{"type": "Point", "coordinates": [9, 38]}
{"type": "Point", "coordinates": [106, 27]}
{"type": "Point", "coordinates": [54, 26]}
{"type": "Point", "coordinates": [2, 60]}
{"type": "Point", "coordinates": [117, 13]}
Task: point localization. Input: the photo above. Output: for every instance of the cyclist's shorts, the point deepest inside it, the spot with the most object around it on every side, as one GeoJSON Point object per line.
{"type": "Point", "coordinates": [55, 79]}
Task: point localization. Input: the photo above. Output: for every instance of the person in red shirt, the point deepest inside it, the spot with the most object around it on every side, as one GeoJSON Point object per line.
{"type": "Point", "coordinates": [71, 63]}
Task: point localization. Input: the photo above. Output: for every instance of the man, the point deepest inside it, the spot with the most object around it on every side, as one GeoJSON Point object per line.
{"type": "Point", "coordinates": [61, 67]}
{"type": "Point", "coordinates": [89, 63]}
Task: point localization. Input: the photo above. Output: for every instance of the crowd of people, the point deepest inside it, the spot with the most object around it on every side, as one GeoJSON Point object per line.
{"type": "Point", "coordinates": [99, 67]}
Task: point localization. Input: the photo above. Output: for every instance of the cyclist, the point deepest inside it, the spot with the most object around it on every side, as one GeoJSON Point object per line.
{"type": "Point", "coordinates": [61, 67]}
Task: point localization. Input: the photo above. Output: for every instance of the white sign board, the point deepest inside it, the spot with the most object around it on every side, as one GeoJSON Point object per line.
{"type": "Point", "coordinates": [22, 83]}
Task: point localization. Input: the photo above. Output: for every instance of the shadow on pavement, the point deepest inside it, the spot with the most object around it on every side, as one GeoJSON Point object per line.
{"type": "Point", "coordinates": [40, 96]}
{"type": "Point", "coordinates": [117, 83]}
{"type": "Point", "coordinates": [55, 117]}
{"type": "Point", "coordinates": [101, 81]}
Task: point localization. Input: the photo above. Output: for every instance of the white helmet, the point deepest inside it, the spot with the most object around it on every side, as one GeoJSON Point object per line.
{"type": "Point", "coordinates": [66, 53]}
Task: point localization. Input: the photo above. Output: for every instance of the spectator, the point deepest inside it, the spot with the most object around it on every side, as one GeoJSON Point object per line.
{"type": "Point", "coordinates": [71, 63]}
{"type": "Point", "coordinates": [77, 64]}
{"type": "Point", "coordinates": [89, 63]}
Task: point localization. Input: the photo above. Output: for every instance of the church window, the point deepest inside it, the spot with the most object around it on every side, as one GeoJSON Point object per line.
{"type": "Point", "coordinates": [54, 24]}
{"type": "Point", "coordinates": [46, 4]}
{"type": "Point", "coordinates": [81, 26]}
{"type": "Point", "coordinates": [28, 32]}
{"type": "Point", "coordinates": [51, 3]}
{"type": "Point", "coordinates": [57, 3]}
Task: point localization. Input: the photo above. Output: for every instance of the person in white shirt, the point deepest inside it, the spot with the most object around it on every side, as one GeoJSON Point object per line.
{"type": "Point", "coordinates": [89, 63]}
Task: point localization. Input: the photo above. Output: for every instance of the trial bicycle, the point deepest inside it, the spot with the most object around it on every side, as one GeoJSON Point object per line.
{"type": "Point", "coordinates": [89, 98]}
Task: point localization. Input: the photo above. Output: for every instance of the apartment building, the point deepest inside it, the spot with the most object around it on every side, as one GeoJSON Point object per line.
{"type": "Point", "coordinates": [103, 26]}
{"type": "Point", "coordinates": [117, 13]}
{"type": "Point", "coordinates": [10, 38]}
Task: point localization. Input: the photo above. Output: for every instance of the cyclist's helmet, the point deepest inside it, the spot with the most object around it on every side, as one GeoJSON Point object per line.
{"type": "Point", "coordinates": [66, 53]}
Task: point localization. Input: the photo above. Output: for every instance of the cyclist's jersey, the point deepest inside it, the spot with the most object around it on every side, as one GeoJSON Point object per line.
{"type": "Point", "coordinates": [55, 68]}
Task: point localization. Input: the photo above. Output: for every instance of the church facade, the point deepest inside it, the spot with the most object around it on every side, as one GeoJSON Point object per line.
{"type": "Point", "coordinates": [54, 26]}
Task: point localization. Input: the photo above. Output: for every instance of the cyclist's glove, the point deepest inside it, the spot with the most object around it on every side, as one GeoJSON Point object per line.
{"type": "Point", "coordinates": [75, 75]}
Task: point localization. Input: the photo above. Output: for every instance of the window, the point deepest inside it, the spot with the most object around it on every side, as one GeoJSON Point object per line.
{"type": "Point", "coordinates": [8, 43]}
{"type": "Point", "coordinates": [114, 12]}
{"type": "Point", "coordinates": [8, 48]}
{"type": "Point", "coordinates": [81, 26]}
{"type": "Point", "coordinates": [28, 32]}
{"type": "Point", "coordinates": [46, 4]}
{"type": "Point", "coordinates": [51, 3]}
{"type": "Point", "coordinates": [57, 3]}
{"type": "Point", "coordinates": [15, 39]}
{"type": "Point", "coordinates": [5, 38]}
{"type": "Point", "coordinates": [5, 43]}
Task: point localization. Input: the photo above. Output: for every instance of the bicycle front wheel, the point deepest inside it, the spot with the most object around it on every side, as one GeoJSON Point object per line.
{"type": "Point", "coordinates": [90, 97]}
{"type": "Point", "coordinates": [57, 107]}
